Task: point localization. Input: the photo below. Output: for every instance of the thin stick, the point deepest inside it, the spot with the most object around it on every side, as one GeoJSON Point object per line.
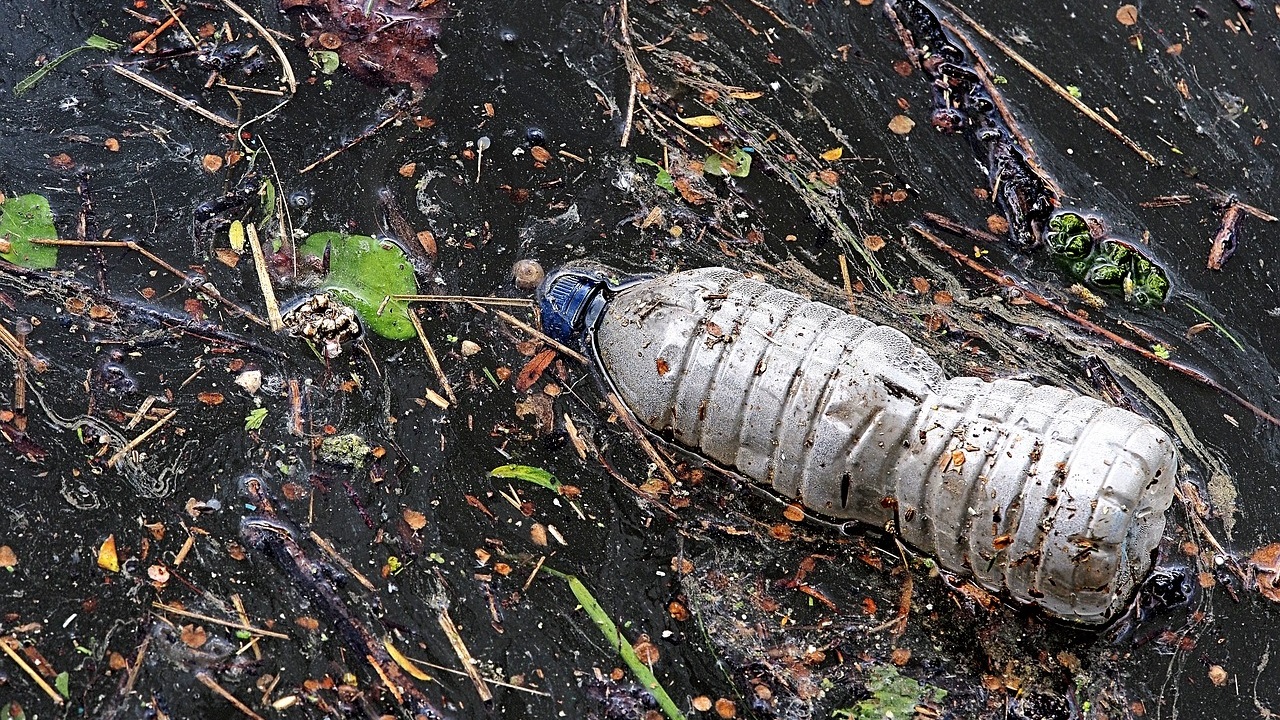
{"type": "Point", "coordinates": [431, 357]}
{"type": "Point", "coordinates": [238, 604]}
{"type": "Point", "coordinates": [536, 567]}
{"type": "Point", "coordinates": [289, 78]}
{"type": "Point", "coordinates": [333, 553]}
{"type": "Point", "coordinates": [464, 656]}
{"type": "Point", "coordinates": [19, 348]}
{"type": "Point", "coordinates": [243, 88]}
{"type": "Point", "coordinates": [997, 99]}
{"type": "Point", "coordinates": [264, 279]}
{"type": "Point", "coordinates": [565, 349]}
{"type": "Point", "coordinates": [207, 288]}
{"type": "Point", "coordinates": [491, 681]}
{"type": "Point", "coordinates": [629, 420]}
{"type": "Point", "coordinates": [1050, 83]}
{"type": "Point", "coordinates": [1004, 280]}
{"type": "Point", "coordinates": [137, 48]}
{"type": "Point", "coordinates": [206, 680]}
{"type": "Point", "coordinates": [185, 30]}
{"type": "Point", "coordinates": [217, 621]}
{"type": "Point", "coordinates": [175, 97]}
{"type": "Point", "coordinates": [683, 129]}
{"type": "Point", "coordinates": [20, 387]}
{"type": "Point", "coordinates": [848, 286]}
{"type": "Point", "coordinates": [134, 443]}
{"type": "Point", "coordinates": [1224, 241]}
{"type": "Point", "coordinates": [507, 302]}
{"type": "Point", "coordinates": [633, 65]}
{"type": "Point", "coordinates": [386, 681]}
{"type": "Point", "coordinates": [348, 146]}
{"type": "Point", "coordinates": [30, 671]}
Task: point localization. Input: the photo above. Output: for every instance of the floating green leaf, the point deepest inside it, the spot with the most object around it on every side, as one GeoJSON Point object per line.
{"type": "Point", "coordinates": [738, 164]}
{"type": "Point", "coordinates": [326, 61]}
{"type": "Point", "coordinates": [663, 180]}
{"type": "Point", "coordinates": [23, 219]}
{"type": "Point", "coordinates": [364, 272]}
{"type": "Point", "coordinates": [613, 636]}
{"type": "Point", "coordinates": [892, 696]}
{"type": "Point", "coordinates": [535, 475]}
{"type": "Point", "coordinates": [94, 42]}
{"type": "Point", "coordinates": [63, 683]}
{"type": "Point", "coordinates": [255, 418]}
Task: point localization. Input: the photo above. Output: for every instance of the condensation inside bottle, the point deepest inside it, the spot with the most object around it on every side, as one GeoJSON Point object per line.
{"type": "Point", "coordinates": [1051, 497]}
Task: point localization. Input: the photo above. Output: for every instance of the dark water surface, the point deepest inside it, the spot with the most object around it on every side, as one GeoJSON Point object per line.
{"type": "Point", "coordinates": [552, 76]}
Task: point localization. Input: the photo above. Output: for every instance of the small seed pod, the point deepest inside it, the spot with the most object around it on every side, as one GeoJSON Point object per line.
{"type": "Point", "coordinates": [528, 274]}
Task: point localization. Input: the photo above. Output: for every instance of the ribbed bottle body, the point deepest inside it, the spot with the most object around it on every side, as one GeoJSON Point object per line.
{"type": "Point", "coordinates": [1054, 498]}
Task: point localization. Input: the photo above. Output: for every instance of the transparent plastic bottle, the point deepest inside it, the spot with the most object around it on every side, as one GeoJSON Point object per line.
{"type": "Point", "coordinates": [1050, 497]}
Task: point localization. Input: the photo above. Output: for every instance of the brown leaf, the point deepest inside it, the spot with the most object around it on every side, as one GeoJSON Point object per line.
{"type": "Point", "coordinates": [408, 169]}
{"type": "Point", "coordinates": [211, 163]}
{"type": "Point", "coordinates": [663, 367]}
{"type": "Point", "coordinates": [1266, 565]}
{"type": "Point", "coordinates": [210, 398]}
{"type": "Point", "coordinates": [540, 154]}
{"type": "Point", "coordinates": [726, 708]}
{"type": "Point", "coordinates": [1217, 675]}
{"type": "Point", "coordinates": [873, 242]}
{"type": "Point", "coordinates": [376, 51]}
{"type": "Point", "coordinates": [1127, 15]}
{"type": "Point", "coordinates": [997, 224]}
{"type": "Point", "coordinates": [62, 161]}
{"type": "Point", "coordinates": [793, 512]}
{"type": "Point", "coordinates": [533, 370]}
{"type": "Point", "coordinates": [920, 284]}
{"type": "Point", "coordinates": [646, 651]}
{"type": "Point", "coordinates": [7, 558]}
{"type": "Point", "coordinates": [194, 636]}
{"type": "Point", "coordinates": [414, 519]}
{"type": "Point", "coordinates": [901, 124]}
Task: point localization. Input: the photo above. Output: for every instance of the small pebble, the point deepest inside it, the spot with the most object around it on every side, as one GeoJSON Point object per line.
{"type": "Point", "coordinates": [469, 348]}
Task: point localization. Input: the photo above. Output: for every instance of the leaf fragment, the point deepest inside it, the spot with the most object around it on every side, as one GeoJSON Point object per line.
{"type": "Point", "coordinates": [702, 121]}
{"type": "Point", "coordinates": [528, 473]}
{"type": "Point", "coordinates": [107, 558]}
{"type": "Point", "coordinates": [405, 663]}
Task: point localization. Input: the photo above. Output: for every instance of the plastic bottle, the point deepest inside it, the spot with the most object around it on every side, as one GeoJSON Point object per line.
{"type": "Point", "coordinates": [1050, 497]}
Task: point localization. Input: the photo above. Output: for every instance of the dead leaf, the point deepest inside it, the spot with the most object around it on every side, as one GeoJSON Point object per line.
{"type": "Point", "coordinates": [414, 519]}
{"type": "Point", "coordinates": [833, 154]}
{"type": "Point", "coordinates": [1217, 675]}
{"type": "Point", "coordinates": [1127, 15]}
{"type": "Point", "coordinates": [7, 558]}
{"type": "Point", "coordinates": [997, 224]}
{"type": "Point", "coordinates": [533, 370]}
{"type": "Point", "coordinates": [793, 512]}
{"type": "Point", "coordinates": [194, 636]}
{"type": "Point", "coordinates": [646, 651]}
{"type": "Point", "coordinates": [746, 95]}
{"type": "Point", "coordinates": [107, 558]}
{"type": "Point", "coordinates": [1266, 565]}
{"type": "Point", "coordinates": [211, 163]}
{"type": "Point", "coordinates": [540, 154]}
{"type": "Point", "coordinates": [210, 398]}
{"type": "Point", "coordinates": [408, 169]}
{"type": "Point", "coordinates": [405, 663]}
{"type": "Point", "coordinates": [701, 121]}
{"type": "Point", "coordinates": [874, 243]}
{"type": "Point", "coordinates": [901, 124]}
{"type": "Point", "coordinates": [920, 284]}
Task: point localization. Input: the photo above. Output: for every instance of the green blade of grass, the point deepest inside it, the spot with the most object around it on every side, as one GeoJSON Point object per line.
{"type": "Point", "coordinates": [614, 637]}
{"type": "Point", "coordinates": [95, 42]}
{"type": "Point", "coordinates": [1214, 323]}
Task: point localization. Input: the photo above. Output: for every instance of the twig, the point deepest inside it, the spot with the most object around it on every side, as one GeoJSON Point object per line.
{"type": "Point", "coordinates": [564, 349]}
{"type": "Point", "coordinates": [464, 656]}
{"type": "Point", "coordinates": [630, 421]}
{"type": "Point", "coordinates": [848, 286]}
{"type": "Point", "coordinates": [1050, 83]}
{"type": "Point", "coordinates": [776, 17]}
{"type": "Point", "coordinates": [1010, 122]}
{"type": "Point", "coordinates": [217, 621]}
{"type": "Point", "coordinates": [134, 443]}
{"type": "Point", "coordinates": [19, 349]}
{"type": "Point", "coordinates": [683, 129]}
{"type": "Point", "coordinates": [1005, 281]}
{"type": "Point", "coordinates": [264, 279]}
{"type": "Point", "coordinates": [491, 681]}
{"type": "Point", "coordinates": [185, 30]}
{"type": "Point", "coordinates": [386, 681]}
{"type": "Point", "coordinates": [30, 671]}
{"type": "Point", "coordinates": [533, 574]}
{"type": "Point", "coordinates": [634, 70]}
{"type": "Point", "coordinates": [965, 231]}
{"type": "Point", "coordinates": [206, 287]}
{"type": "Point", "coordinates": [137, 48]}
{"type": "Point", "coordinates": [508, 302]}
{"type": "Point", "coordinates": [333, 553]}
{"type": "Point", "coordinates": [431, 356]}
{"type": "Point", "coordinates": [175, 97]}
{"type": "Point", "coordinates": [289, 77]}
{"type": "Point", "coordinates": [208, 681]}
{"type": "Point", "coordinates": [243, 88]}
{"type": "Point", "coordinates": [1224, 241]}
{"type": "Point", "coordinates": [395, 116]}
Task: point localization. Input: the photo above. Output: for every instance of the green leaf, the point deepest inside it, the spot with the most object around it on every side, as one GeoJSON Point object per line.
{"type": "Point", "coordinates": [363, 272]}
{"type": "Point", "coordinates": [738, 164]}
{"type": "Point", "coordinates": [63, 684]}
{"type": "Point", "coordinates": [22, 219]}
{"type": "Point", "coordinates": [255, 418]}
{"type": "Point", "coordinates": [535, 475]}
{"type": "Point", "coordinates": [664, 179]}
{"type": "Point", "coordinates": [1160, 351]}
{"type": "Point", "coordinates": [268, 195]}
{"type": "Point", "coordinates": [613, 636]}
{"type": "Point", "coordinates": [326, 61]}
{"type": "Point", "coordinates": [94, 42]}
